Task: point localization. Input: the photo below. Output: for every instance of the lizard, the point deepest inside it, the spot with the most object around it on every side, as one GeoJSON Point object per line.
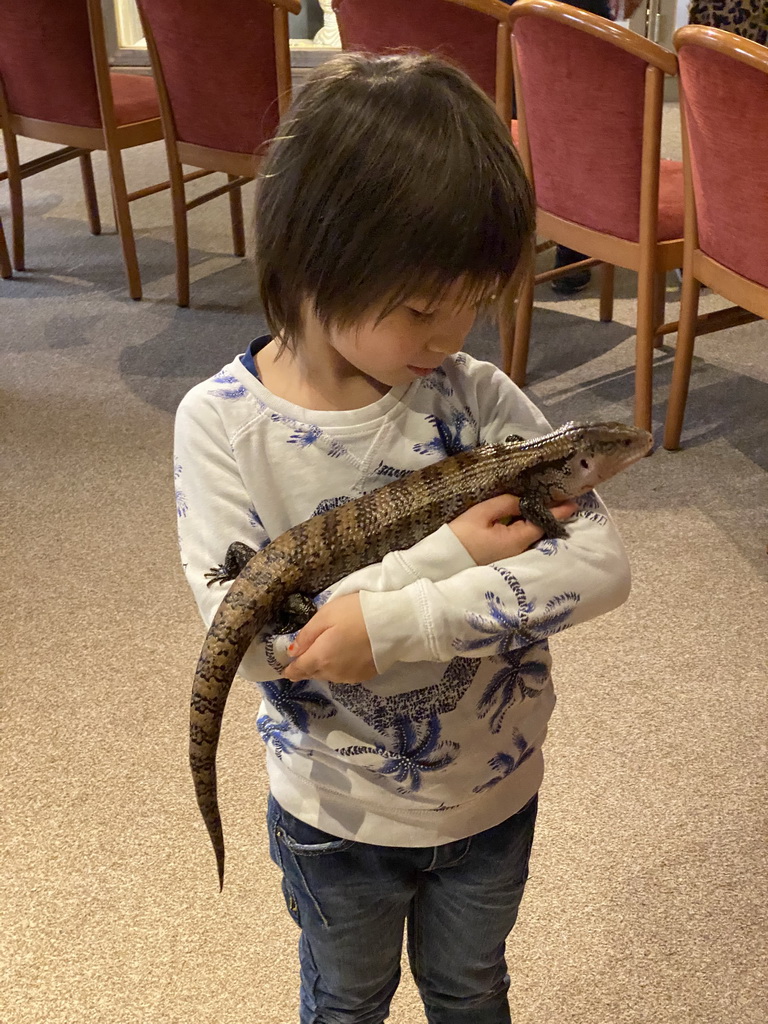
{"type": "Point", "coordinates": [274, 586]}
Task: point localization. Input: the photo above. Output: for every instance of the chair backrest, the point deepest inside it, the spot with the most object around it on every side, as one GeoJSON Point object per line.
{"type": "Point", "coordinates": [724, 99]}
{"type": "Point", "coordinates": [583, 85]}
{"type": "Point", "coordinates": [468, 33]}
{"type": "Point", "coordinates": [221, 68]}
{"type": "Point", "coordinates": [46, 61]}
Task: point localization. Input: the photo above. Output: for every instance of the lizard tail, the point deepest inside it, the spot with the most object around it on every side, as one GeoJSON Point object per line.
{"type": "Point", "coordinates": [239, 618]}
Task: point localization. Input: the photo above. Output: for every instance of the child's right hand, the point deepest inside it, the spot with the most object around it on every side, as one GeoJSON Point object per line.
{"type": "Point", "coordinates": [488, 540]}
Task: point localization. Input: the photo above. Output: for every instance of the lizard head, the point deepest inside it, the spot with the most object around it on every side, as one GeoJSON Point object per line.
{"type": "Point", "coordinates": [600, 451]}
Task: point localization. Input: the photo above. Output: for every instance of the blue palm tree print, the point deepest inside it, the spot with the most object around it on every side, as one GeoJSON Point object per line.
{"type": "Point", "coordinates": [233, 389]}
{"type": "Point", "coordinates": [181, 499]}
{"type": "Point", "coordinates": [306, 434]}
{"type": "Point", "coordinates": [504, 764]}
{"type": "Point", "coordinates": [275, 733]}
{"type": "Point", "coordinates": [514, 629]}
{"type": "Point", "coordinates": [297, 703]}
{"type": "Point", "coordinates": [412, 754]}
{"type": "Point", "coordinates": [438, 381]}
{"type": "Point", "coordinates": [449, 435]}
{"type": "Point", "coordinates": [515, 680]}
{"type": "Point", "coordinates": [256, 523]}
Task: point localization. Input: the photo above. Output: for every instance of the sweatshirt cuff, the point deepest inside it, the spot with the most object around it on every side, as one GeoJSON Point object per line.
{"type": "Point", "coordinates": [396, 627]}
{"type": "Point", "coordinates": [438, 556]}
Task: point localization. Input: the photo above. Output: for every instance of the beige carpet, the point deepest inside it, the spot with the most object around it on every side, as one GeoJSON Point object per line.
{"type": "Point", "coordinates": [649, 883]}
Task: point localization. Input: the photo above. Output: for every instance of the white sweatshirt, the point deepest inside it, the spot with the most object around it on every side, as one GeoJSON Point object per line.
{"type": "Point", "coordinates": [446, 741]}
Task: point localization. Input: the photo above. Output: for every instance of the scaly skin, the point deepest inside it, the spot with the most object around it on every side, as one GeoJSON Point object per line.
{"type": "Point", "coordinates": [310, 557]}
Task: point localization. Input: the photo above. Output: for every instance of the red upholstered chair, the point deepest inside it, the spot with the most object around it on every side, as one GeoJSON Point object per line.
{"type": "Point", "coordinates": [723, 106]}
{"type": "Point", "coordinates": [223, 73]}
{"type": "Point", "coordinates": [589, 102]}
{"type": "Point", "coordinates": [469, 33]}
{"type": "Point", "coordinates": [55, 86]}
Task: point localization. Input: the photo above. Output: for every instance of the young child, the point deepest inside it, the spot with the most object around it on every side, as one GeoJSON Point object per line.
{"type": "Point", "coordinates": [391, 208]}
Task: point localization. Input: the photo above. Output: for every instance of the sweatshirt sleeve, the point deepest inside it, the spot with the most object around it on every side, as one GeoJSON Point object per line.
{"type": "Point", "coordinates": [214, 510]}
{"type": "Point", "coordinates": [492, 609]}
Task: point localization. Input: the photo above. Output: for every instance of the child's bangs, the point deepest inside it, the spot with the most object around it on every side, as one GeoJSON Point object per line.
{"type": "Point", "coordinates": [431, 289]}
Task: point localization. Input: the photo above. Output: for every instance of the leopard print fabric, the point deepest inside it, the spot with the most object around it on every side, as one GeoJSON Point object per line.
{"type": "Point", "coordinates": [748, 18]}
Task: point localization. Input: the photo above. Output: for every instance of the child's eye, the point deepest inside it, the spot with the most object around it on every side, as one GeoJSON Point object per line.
{"type": "Point", "coordinates": [418, 314]}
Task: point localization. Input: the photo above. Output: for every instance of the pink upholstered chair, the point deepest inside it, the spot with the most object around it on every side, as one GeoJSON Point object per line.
{"type": "Point", "coordinates": [223, 73]}
{"type": "Point", "coordinates": [590, 135]}
{"type": "Point", "coordinates": [723, 105]}
{"type": "Point", "coordinates": [55, 86]}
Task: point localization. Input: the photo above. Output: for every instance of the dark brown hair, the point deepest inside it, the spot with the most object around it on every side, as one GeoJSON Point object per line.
{"type": "Point", "coordinates": [389, 176]}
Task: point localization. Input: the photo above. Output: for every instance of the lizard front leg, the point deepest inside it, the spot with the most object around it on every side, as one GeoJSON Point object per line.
{"type": "Point", "coordinates": [237, 557]}
{"type": "Point", "coordinates": [296, 610]}
{"type": "Point", "coordinates": [532, 509]}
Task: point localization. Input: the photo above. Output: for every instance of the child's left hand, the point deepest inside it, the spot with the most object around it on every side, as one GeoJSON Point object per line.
{"type": "Point", "coordinates": [334, 645]}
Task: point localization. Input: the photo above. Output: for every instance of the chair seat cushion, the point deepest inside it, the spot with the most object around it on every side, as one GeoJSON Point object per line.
{"type": "Point", "coordinates": [135, 98]}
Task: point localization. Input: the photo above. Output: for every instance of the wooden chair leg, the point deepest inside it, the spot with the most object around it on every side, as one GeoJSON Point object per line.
{"type": "Point", "coordinates": [180, 229]}
{"type": "Point", "coordinates": [681, 372]}
{"type": "Point", "coordinates": [646, 331]}
{"type": "Point", "coordinates": [5, 259]}
{"type": "Point", "coordinates": [606, 293]}
{"type": "Point", "coordinates": [123, 218]}
{"type": "Point", "coordinates": [17, 203]}
{"type": "Point", "coordinates": [659, 305]}
{"type": "Point", "coordinates": [236, 213]}
{"type": "Point", "coordinates": [89, 190]}
{"type": "Point", "coordinates": [516, 361]}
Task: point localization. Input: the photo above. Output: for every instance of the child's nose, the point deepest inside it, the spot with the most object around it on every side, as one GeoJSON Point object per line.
{"type": "Point", "coordinates": [447, 342]}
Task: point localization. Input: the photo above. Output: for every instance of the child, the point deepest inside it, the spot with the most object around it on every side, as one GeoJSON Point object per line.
{"type": "Point", "coordinates": [391, 207]}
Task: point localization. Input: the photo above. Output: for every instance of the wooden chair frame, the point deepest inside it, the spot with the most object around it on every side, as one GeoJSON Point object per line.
{"type": "Point", "coordinates": [80, 142]}
{"type": "Point", "coordinates": [5, 260]}
{"type": "Point", "coordinates": [698, 268]}
{"type": "Point", "coordinates": [240, 168]}
{"type": "Point", "coordinates": [649, 257]}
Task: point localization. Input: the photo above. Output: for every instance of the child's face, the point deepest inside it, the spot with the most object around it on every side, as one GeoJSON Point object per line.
{"type": "Point", "coordinates": [411, 341]}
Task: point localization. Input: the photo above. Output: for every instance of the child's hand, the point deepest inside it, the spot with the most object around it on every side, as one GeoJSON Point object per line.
{"type": "Point", "coordinates": [334, 645]}
{"type": "Point", "coordinates": [488, 540]}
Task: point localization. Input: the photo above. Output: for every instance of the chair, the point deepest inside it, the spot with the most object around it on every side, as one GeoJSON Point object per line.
{"type": "Point", "coordinates": [590, 137]}
{"type": "Point", "coordinates": [723, 104]}
{"type": "Point", "coordinates": [55, 86]}
{"type": "Point", "coordinates": [469, 33]}
{"type": "Point", "coordinates": [223, 74]}
{"type": "Point", "coordinates": [5, 260]}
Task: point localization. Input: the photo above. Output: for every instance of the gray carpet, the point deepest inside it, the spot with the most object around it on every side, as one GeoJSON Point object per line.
{"type": "Point", "coordinates": [649, 882]}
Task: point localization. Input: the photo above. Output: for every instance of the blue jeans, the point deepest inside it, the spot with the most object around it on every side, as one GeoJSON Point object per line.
{"type": "Point", "coordinates": [352, 900]}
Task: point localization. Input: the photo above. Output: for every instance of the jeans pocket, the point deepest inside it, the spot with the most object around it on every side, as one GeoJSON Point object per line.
{"type": "Point", "coordinates": [305, 855]}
